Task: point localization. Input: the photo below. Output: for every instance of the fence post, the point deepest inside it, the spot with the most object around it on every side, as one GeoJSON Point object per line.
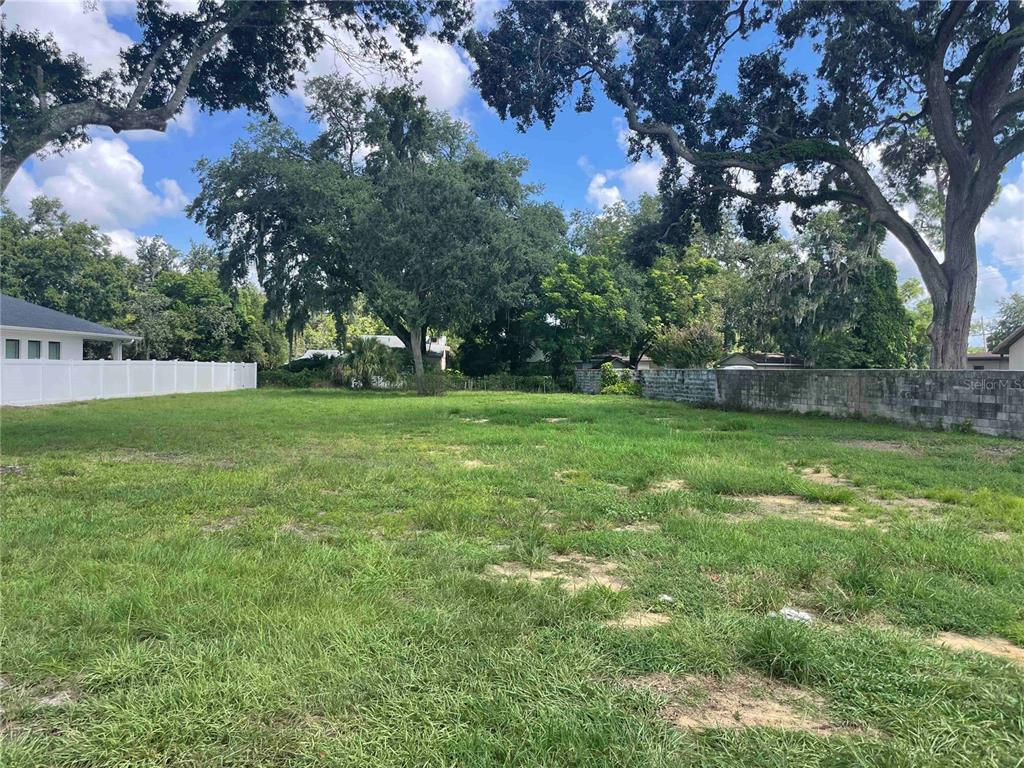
{"type": "Point", "coordinates": [152, 377]}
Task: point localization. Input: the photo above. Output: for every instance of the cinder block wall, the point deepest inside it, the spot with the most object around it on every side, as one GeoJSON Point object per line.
{"type": "Point", "coordinates": [991, 401]}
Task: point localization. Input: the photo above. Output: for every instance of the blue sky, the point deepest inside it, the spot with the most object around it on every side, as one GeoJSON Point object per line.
{"type": "Point", "coordinates": [138, 183]}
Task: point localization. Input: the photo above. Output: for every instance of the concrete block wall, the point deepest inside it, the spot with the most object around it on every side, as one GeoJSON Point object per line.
{"type": "Point", "coordinates": [992, 402]}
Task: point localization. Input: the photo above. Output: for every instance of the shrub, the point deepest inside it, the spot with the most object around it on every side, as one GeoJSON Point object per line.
{"type": "Point", "coordinates": [282, 377]}
{"type": "Point", "coordinates": [614, 382]}
{"type": "Point", "coordinates": [623, 387]}
{"type": "Point", "coordinates": [694, 346]}
{"type": "Point", "coordinates": [609, 376]}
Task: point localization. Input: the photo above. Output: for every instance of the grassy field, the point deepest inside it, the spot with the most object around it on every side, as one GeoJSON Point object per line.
{"type": "Point", "coordinates": [303, 578]}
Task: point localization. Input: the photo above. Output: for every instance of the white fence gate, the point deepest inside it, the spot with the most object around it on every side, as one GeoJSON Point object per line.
{"type": "Point", "coordinates": [35, 382]}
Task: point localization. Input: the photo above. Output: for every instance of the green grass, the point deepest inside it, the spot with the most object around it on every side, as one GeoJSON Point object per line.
{"type": "Point", "coordinates": [297, 578]}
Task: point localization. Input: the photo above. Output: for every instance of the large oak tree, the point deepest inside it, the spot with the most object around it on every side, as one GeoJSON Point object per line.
{"type": "Point", "coordinates": [909, 102]}
{"type": "Point", "coordinates": [224, 55]}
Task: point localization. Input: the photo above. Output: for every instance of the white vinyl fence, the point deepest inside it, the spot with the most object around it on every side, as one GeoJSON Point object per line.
{"type": "Point", "coordinates": [34, 382]}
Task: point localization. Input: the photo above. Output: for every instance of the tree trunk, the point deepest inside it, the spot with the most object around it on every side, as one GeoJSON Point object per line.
{"type": "Point", "coordinates": [416, 347]}
{"type": "Point", "coordinates": [952, 308]}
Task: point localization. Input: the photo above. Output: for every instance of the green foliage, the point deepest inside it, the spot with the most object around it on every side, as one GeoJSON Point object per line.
{"type": "Point", "coordinates": [70, 266]}
{"type": "Point", "coordinates": [66, 265]}
{"type": "Point", "coordinates": [370, 361]}
{"type": "Point", "coordinates": [218, 56]}
{"type": "Point", "coordinates": [304, 379]}
{"type": "Point", "coordinates": [693, 346]}
{"type": "Point", "coordinates": [721, 90]}
{"type": "Point", "coordinates": [828, 297]}
{"type": "Point", "coordinates": [615, 382]}
{"type": "Point", "coordinates": [432, 232]}
{"type": "Point", "coordinates": [619, 286]}
{"type": "Point", "coordinates": [1009, 318]}
{"type": "Point", "coordinates": [919, 310]}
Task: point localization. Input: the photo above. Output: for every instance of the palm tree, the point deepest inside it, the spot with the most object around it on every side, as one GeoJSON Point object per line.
{"type": "Point", "coordinates": [368, 359]}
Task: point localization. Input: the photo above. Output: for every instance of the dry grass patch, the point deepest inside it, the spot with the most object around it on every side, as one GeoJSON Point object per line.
{"type": "Point", "coordinates": [667, 486]}
{"type": "Point", "coordinates": [641, 526]}
{"type": "Point", "coordinates": [698, 702]}
{"type": "Point", "coordinates": [795, 508]}
{"type": "Point", "coordinates": [307, 531]}
{"type": "Point", "coordinates": [12, 469]}
{"type": "Point", "coordinates": [886, 446]}
{"type": "Point", "coordinates": [224, 524]}
{"type": "Point", "coordinates": [573, 572]}
{"type": "Point", "coordinates": [993, 646]}
{"type": "Point", "coordinates": [639, 620]}
{"type": "Point", "coordinates": [556, 420]}
{"type": "Point", "coordinates": [825, 476]}
{"type": "Point", "coordinates": [474, 464]}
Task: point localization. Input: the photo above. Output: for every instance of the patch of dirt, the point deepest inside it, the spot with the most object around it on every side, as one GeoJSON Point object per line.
{"type": "Point", "coordinates": [474, 464]}
{"type": "Point", "coordinates": [639, 527]}
{"type": "Point", "coordinates": [1001, 453]}
{"type": "Point", "coordinates": [639, 620]}
{"type": "Point", "coordinates": [743, 701]}
{"type": "Point", "coordinates": [12, 469]}
{"type": "Point", "coordinates": [556, 420]}
{"type": "Point", "coordinates": [994, 646]}
{"type": "Point", "coordinates": [887, 446]}
{"type": "Point", "coordinates": [224, 524]}
{"type": "Point", "coordinates": [573, 572]}
{"type": "Point", "coordinates": [998, 535]}
{"type": "Point", "coordinates": [909, 504]}
{"type": "Point", "coordinates": [795, 508]}
{"type": "Point", "coordinates": [56, 699]}
{"type": "Point", "coordinates": [308, 532]}
{"type": "Point", "coordinates": [825, 476]}
{"type": "Point", "coordinates": [666, 486]}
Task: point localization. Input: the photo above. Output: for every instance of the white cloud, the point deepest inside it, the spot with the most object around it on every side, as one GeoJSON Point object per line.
{"type": "Point", "coordinates": [77, 28]}
{"type": "Point", "coordinates": [123, 241]}
{"type": "Point", "coordinates": [1002, 227]}
{"type": "Point", "coordinates": [611, 185]}
{"type": "Point", "coordinates": [441, 73]}
{"type": "Point", "coordinates": [100, 182]}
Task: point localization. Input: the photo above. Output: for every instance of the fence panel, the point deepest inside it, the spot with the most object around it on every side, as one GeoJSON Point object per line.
{"type": "Point", "coordinates": [37, 382]}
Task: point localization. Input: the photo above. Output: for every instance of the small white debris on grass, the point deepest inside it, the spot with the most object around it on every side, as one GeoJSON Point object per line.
{"type": "Point", "coordinates": [793, 614]}
{"type": "Point", "coordinates": [666, 599]}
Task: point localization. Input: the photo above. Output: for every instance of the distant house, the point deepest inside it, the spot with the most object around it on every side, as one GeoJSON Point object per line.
{"type": "Point", "coordinates": [618, 361]}
{"type": "Point", "coordinates": [1013, 347]}
{"type": "Point", "coordinates": [766, 361]}
{"type": "Point", "coordinates": [436, 354]}
{"type": "Point", "coordinates": [988, 361]}
{"type": "Point", "coordinates": [32, 332]}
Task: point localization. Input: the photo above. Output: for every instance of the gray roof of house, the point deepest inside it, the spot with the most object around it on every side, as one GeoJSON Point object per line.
{"type": "Point", "coordinates": [17, 313]}
{"type": "Point", "coordinates": [1003, 347]}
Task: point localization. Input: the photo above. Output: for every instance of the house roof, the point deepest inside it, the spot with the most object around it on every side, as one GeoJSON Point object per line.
{"type": "Point", "coordinates": [393, 342]}
{"type": "Point", "coordinates": [979, 356]}
{"type": "Point", "coordinates": [17, 313]}
{"type": "Point", "coordinates": [765, 359]}
{"type": "Point", "coordinates": [1003, 347]}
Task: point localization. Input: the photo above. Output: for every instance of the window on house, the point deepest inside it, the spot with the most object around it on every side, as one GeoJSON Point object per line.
{"type": "Point", "coordinates": [12, 349]}
{"type": "Point", "coordinates": [35, 350]}
{"type": "Point", "coordinates": [53, 350]}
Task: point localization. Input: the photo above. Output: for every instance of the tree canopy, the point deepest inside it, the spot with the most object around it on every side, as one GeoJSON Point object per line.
{"type": "Point", "coordinates": [223, 55]}
{"type": "Point", "coordinates": [392, 202]}
{"type": "Point", "coordinates": [910, 103]}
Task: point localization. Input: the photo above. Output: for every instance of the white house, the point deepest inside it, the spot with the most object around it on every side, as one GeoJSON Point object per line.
{"type": "Point", "coordinates": [1013, 347]}
{"type": "Point", "coordinates": [32, 332]}
{"type": "Point", "coordinates": [43, 362]}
